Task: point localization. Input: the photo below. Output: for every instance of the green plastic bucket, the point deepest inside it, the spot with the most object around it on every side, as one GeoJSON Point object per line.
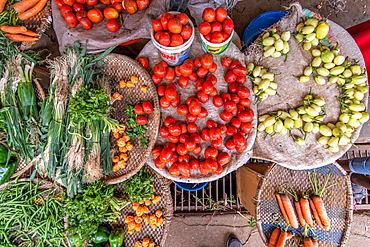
{"type": "Point", "coordinates": [216, 49]}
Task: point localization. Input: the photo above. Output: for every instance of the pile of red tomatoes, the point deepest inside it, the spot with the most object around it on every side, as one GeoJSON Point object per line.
{"type": "Point", "coordinates": [217, 27]}
{"type": "Point", "coordinates": [170, 30]}
{"type": "Point", "coordinates": [74, 12]}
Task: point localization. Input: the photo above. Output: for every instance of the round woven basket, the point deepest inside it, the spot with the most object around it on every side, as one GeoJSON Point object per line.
{"type": "Point", "coordinates": [158, 235]}
{"type": "Point", "coordinates": [43, 186]}
{"type": "Point", "coordinates": [119, 67]}
{"type": "Point", "coordinates": [337, 199]}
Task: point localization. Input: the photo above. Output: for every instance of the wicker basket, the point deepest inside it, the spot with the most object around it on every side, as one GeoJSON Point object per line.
{"type": "Point", "coordinates": [117, 68]}
{"type": "Point", "coordinates": [158, 235]}
{"type": "Point", "coordinates": [338, 203]}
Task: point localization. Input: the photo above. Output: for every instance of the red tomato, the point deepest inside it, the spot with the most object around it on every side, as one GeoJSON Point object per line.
{"type": "Point", "coordinates": [170, 74]}
{"type": "Point", "coordinates": [112, 26]}
{"type": "Point", "coordinates": [193, 77]}
{"type": "Point", "coordinates": [202, 169]}
{"type": "Point", "coordinates": [183, 138]}
{"type": "Point", "coordinates": [174, 129]}
{"type": "Point", "coordinates": [213, 93]}
{"type": "Point", "coordinates": [164, 133]}
{"type": "Point", "coordinates": [65, 9]}
{"type": "Point", "coordinates": [81, 14]}
{"type": "Point", "coordinates": [138, 109]}
{"type": "Point", "coordinates": [156, 36]}
{"type": "Point", "coordinates": [225, 36]}
{"type": "Point", "coordinates": [78, 7]}
{"type": "Point", "coordinates": [204, 98]}
{"type": "Point", "coordinates": [203, 113]}
{"type": "Point", "coordinates": [240, 108]}
{"type": "Point", "coordinates": [174, 170]}
{"type": "Point", "coordinates": [176, 101]}
{"type": "Point", "coordinates": [226, 116]}
{"type": "Point", "coordinates": [209, 15]}
{"type": "Point", "coordinates": [59, 3]}
{"type": "Point", "coordinates": [189, 61]}
{"type": "Point", "coordinates": [240, 70]}
{"type": "Point", "coordinates": [184, 128]}
{"type": "Point", "coordinates": [177, 71]}
{"type": "Point", "coordinates": [218, 101]}
{"type": "Point", "coordinates": [241, 79]}
{"type": "Point", "coordinates": [191, 118]}
{"type": "Point", "coordinates": [245, 102]}
{"type": "Point", "coordinates": [211, 152]}
{"type": "Point", "coordinates": [184, 169]}
{"type": "Point", "coordinates": [190, 144]}
{"type": "Point", "coordinates": [156, 79]}
{"type": "Point", "coordinates": [233, 87]}
{"type": "Point", "coordinates": [173, 139]}
{"type": "Point", "coordinates": [207, 87]}
{"type": "Point", "coordinates": [164, 39]}
{"type": "Point", "coordinates": [159, 70]}
{"type": "Point", "coordinates": [110, 13]}
{"type": "Point", "coordinates": [226, 62]}
{"type": "Point", "coordinates": [196, 137]}
{"type": "Point", "coordinates": [243, 92]}
{"type": "Point", "coordinates": [161, 90]}
{"type": "Point", "coordinates": [212, 78]}
{"type": "Point", "coordinates": [69, 2]}
{"type": "Point", "coordinates": [85, 23]}
{"type": "Point", "coordinates": [230, 106]}
{"type": "Point", "coordinates": [229, 144]}
{"type": "Point", "coordinates": [207, 61]}
{"type": "Point", "coordinates": [158, 163]}
{"type": "Point", "coordinates": [186, 32]}
{"type": "Point", "coordinates": [142, 4]}
{"type": "Point", "coordinates": [216, 38]}
{"type": "Point", "coordinates": [216, 27]}
{"type": "Point", "coordinates": [194, 164]}
{"type": "Point", "coordinates": [156, 25]}
{"type": "Point", "coordinates": [148, 107]}
{"type": "Point", "coordinates": [246, 127]}
{"type": "Point", "coordinates": [205, 135]}
{"type": "Point", "coordinates": [211, 124]}
{"type": "Point", "coordinates": [192, 128]}
{"type": "Point", "coordinates": [141, 120]}
{"type": "Point", "coordinates": [165, 103]}
{"type": "Point", "coordinates": [175, 156]}
{"type": "Point", "coordinates": [234, 64]}
{"type": "Point", "coordinates": [71, 19]}
{"type": "Point", "coordinates": [246, 116]}
{"type": "Point", "coordinates": [223, 158]}
{"type": "Point", "coordinates": [223, 128]}
{"type": "Point", "coordinates": [144, 62]}
{"type": "Point", "coordinates": [130, 6]}
{"type": "Point", "coordinates": [176, 40]}
{"type": "Point", "coordinates": [230, 77]}
{"type": "Point", "coordinates": [238, 139]}
{"type": "Point", "coordinates": [164, 20]}
{"type": "Point", "coordinates": [95, 15]}
{"type": "Point", "coordinates": [169, 120]}
{"type": "Point", "coordinates": [213, 69]}
{"type": "Point", "coordinates": [226, 97]}
{"type": "Point", "coordinates": [166, 154]}
{"type": "Point", "coordinates": [199, 85]}
{"type": "Point", "coordinates": [181, 150]}
{"type": "Point", "coordinates": [156, 151]}
{"type": "Point", "coordinates": [194, 108]}
{"type": "Point", "coordinates": [182, 110]}
{"type": "Point", "coordinates": [205, 28]}
{"type": "Point", "coordinates": [241, 149]}
{"type": "Point", "coordinates": [235, 122]}
{"type": "Point", "coordinates": [184, 158]}
{"type": "Point", "coordinates": [171, 146]}
{"type": "Point", "coordinates": [202, 72]}
{"type": "Point", "coordinates": [221, 14]}
{"type": "Point", "coordinates": [183, 18]}
{"type": "Point", "coordinates": [198, 149]}
{"type": "Point", "coordinates": [197, 62]}
{"type": "Point", "coordinates": [235, 98]}
{"type": "Point", "coordinates": [210, 165]}
{"type": "Point", "coordinates": [92, 2]}
{"type": "Point", "coordinates": [208, 37]}
{"type": "Point", "coordinates": [231, 130]}
{"type": "Point", "coordinates": [186, 70]}
{"type": "Point", "coordinates": [228, 26]}
{"type": "Point", "coordinates": [183, 81]}
{"type": "Point", "coordinates": [215, 133]}
{"type": "Point", "coordinates": [219, 170]}
{"type": "Point", "coordinates": [106, 2]}
{"type": "Point", "coordinates": [118, 6]}
{"type": "Point", "coordinates": [81, 1]}
{"type": "Point", "coordinates": [234, 112]}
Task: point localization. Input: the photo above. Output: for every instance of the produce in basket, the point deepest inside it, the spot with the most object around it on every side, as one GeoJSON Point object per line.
{"type": "Point", "coordinates": [311, 31]}
{"type": "Point", "coordinates": [170, 30]}
{"type": "Point", "coordinates": [275, 44]}
{"type": "Point", "coordinates": [144, 243]}
{"type": "Point", "coordinates": [217, 27]}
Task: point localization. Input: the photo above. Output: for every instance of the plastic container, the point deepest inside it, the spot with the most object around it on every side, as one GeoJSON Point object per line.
{"type": "Point", "coordinates": [260, 23]}
{"type": "Point", "coordinates": [191, 186]}
{"type": "Point", "coordinates": [174, 55]}
{"type": "Point", "coordinates": [215, 49]}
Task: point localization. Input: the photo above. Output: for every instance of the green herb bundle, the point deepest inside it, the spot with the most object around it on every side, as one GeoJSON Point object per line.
{"type": "Point", "coordinates": [135, 130]}
{"type": "Point", "coordinates": [96, 205]}
{"type": "Point", "coordinates": [36, 215]}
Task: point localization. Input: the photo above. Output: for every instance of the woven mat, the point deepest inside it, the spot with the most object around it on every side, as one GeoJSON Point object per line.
{"type": "Point", "coordinates": [236, 159]}
{"type": "Point", "coordinates": [117, 68]}
{"type": "Point", "coordinates": [337, 199]}
{"type": "Point", "coordinates": [282, 149]}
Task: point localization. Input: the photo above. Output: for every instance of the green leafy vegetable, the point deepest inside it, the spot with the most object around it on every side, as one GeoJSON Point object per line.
{"type": "Point", "coordinates": [135, 130]}
{"type": "Point", "coordinates": [139, 187]}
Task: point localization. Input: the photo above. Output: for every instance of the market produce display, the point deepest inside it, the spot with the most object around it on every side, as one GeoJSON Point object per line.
{"type": "Point", "coordinates": [217, 27]}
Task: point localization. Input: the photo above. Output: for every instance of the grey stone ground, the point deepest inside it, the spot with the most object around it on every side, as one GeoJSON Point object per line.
{"type": "Point", "coordinates": [208, 231]}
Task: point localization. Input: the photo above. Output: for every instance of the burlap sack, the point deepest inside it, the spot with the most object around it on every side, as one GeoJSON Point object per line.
{"type": "Point", "coordinates": [237, 159]}
{"type": "Point", "coordinates": [98, 37]}
{"type": "Point", "coordinates": [282, 149]}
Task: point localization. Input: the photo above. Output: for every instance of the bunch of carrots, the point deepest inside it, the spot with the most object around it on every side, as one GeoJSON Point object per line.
{"type": "Point", "coordinates": [302, 212]}
{"type": "Point", "coordinates": [18, 34]}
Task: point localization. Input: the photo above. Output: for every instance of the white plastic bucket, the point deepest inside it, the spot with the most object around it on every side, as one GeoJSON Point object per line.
{"type": "Point", "coordinates": [174, 55]}
{"type": "Point", "coordinates": [213, 48]}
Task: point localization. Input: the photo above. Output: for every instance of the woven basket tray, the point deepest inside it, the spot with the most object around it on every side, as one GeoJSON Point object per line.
{"type": "Point", "coordinates": [159, 235]}
{"type": "Point", "coordinates": [120, 67]}
{"type": "Point", "coordinates": [337, 199]}
{"type": "Point", "coordinates": [43, 185]}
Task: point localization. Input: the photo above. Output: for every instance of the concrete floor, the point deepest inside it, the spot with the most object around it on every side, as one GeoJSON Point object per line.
{"type": "Point", "coordinates": [212, 231]}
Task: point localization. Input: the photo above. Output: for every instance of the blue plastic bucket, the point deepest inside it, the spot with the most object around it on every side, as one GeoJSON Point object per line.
{"type": "Point", "coordinates": [191, 186]}
{"type": "Point", "coordinates": [260, 23]}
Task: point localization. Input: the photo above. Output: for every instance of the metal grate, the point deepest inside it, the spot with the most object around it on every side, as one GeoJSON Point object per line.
{"type": "Point", "coordinates": [219, 196]}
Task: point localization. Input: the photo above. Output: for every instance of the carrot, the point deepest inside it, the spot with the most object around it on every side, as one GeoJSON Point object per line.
{"type": "Point", "coordinates": [30, 33]}
{"type": "Point", "coordinates": [315, 214]}
{"type": "Point", "coordinates": [297, 206]}
{"type": "Point", "coordinates": [33, 11]}
{"type": "Point", "coordinates": [281, 205]}
{"type": "Point", "coordinates": [20, 38]}
{"type": "Point", "coordinates": [290, 211]}
{"type": "Point", "coordinates": [2, 5]}
{"type": "Point", "coordinates": [315, 243]}
{"type": "Point", "coordinates": [305, 206]}
{"type": "Point", "coordinates": [289, 236]}
{"type": "Point", "coordinates": [283, 237]}
{"type": "Point", "coordinates": [274, 237]}
{"type": "Point", "coordinates": [11, 29]}
{"type": "Point", "coordinates": [320, 207]}
{"type": "Point", "coordinates": [23, 5]}
{"type": "Point", "coordinates": [307, 242]}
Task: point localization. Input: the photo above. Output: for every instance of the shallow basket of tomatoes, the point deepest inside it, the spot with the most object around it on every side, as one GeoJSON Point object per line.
{"type": "Point", "coordinates": [117, 68]}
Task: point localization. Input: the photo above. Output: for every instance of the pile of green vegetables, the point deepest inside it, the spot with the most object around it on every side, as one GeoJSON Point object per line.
{"type": "Point", "coordinates": [30, 217]}
{"type": "Point", "coordinates": [97, 205]}
{"type": "Point", "coordinates": [135, 130]}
